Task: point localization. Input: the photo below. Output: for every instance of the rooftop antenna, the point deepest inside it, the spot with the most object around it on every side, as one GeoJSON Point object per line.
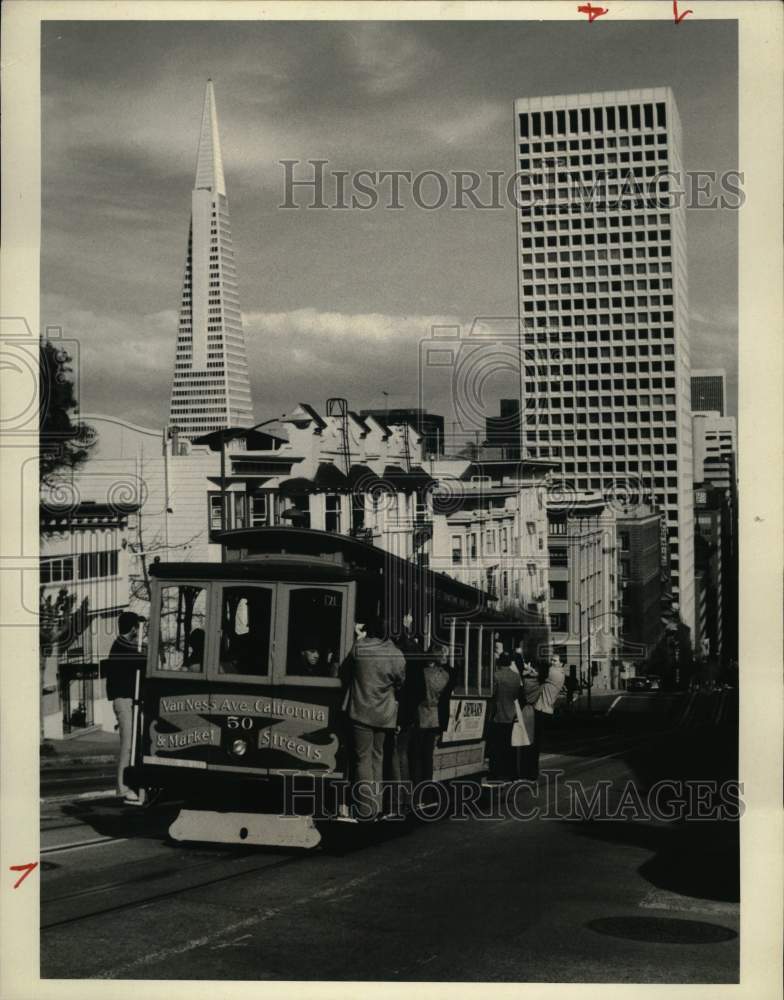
{"type": "Point", "coordinates": [337, 406]}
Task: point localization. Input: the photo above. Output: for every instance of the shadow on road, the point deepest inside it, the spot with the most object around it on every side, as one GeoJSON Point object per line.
{"type": "Point", "coordinates": [697, 853]}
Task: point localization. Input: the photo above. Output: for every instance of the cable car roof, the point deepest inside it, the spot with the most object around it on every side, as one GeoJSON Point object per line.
{"type": "Point", "coordinates": [291, 568]}
{"type": "Point", "coordinates": [295, 553]}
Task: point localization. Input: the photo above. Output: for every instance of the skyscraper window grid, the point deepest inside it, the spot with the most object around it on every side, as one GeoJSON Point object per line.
{"type": "Point", "coordinates": [604, 308]}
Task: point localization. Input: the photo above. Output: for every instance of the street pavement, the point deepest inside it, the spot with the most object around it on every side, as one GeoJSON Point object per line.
{"type": "Point", "coordinates": [491, 897]}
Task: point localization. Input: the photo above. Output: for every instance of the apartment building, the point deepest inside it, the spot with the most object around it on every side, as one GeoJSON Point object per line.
{"type": "Point", "coordinates": [584, 588]}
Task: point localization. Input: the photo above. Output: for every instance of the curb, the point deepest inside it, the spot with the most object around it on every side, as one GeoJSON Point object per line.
{"type": "Point", "coordinates": [103, 758]}
{"type": "Point", "coordinates": [82, 797]}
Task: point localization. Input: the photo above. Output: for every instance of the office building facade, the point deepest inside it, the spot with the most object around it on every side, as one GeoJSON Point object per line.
{"type": "Point", "coordinates": [603, 303]}
{"type": "Point", "coordinates": [708, 389]}
{"type": "Point", "coordinates": [714, 438]}
{"type": "Point", "coordinates": [503, 431]}
{"type": "Point", "coordinates": [639, 546]}
{"type": "Point", "coordinates": [211, 385]}
{"type": "Point", "coordinates": [712, 550]}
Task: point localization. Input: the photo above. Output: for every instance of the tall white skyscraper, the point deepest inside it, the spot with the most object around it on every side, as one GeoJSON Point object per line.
{"type": "Point", "coordinates": [211, 386]}
{"type": "Point", "coordinates": [603, 302]}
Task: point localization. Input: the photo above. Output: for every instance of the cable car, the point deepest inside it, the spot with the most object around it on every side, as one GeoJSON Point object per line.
{"type": "Point", "coordinates": [247, 669]}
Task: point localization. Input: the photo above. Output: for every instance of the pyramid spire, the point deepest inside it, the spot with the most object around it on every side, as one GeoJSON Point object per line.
{"type": "Point", "coordinates": [211, 385]}
{"type": "Point", "coordinates": [209, 162]}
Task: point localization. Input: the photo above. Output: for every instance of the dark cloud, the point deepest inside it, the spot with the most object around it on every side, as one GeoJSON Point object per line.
{"type": "Point", "coordinates": [121, 111]}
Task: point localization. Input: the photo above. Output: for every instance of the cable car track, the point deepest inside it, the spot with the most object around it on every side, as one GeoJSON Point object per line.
{"type": "Point", "coordinates": [113, 887]}
{"type": "Point", "coordinates": [246, 864]}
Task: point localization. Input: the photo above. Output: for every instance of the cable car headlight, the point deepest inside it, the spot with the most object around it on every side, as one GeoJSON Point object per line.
{"type": "Point", "coordinates": [239, 747]}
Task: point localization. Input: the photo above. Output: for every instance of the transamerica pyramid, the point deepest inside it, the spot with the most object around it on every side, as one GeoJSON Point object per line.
{"type": "Point", "coordinates": [211, 385]}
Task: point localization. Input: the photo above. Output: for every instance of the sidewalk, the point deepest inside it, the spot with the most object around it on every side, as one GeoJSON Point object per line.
{"type": "Point", "coordinates": [94, 747]}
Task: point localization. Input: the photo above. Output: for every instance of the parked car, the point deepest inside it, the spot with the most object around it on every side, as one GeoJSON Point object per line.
{"type": "Point", "coordinates": [649, 682]}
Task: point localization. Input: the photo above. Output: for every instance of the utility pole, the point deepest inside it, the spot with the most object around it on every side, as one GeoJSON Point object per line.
{"type": "Point", "coordinates": [590, 665]}
{"type": "Point", "coordinates": [603, 614]}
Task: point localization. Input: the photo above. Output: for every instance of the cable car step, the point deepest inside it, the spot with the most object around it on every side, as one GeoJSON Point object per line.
{"type": "Point", "coordinates": [262, 829]}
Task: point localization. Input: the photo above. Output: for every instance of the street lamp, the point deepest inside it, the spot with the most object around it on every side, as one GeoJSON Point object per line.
{"type": "Point", "coordinates": [591, 620]}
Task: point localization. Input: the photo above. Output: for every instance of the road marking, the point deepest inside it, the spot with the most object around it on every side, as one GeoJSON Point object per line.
{"type": "Point", "coordinates": [662, 899]}
{"type": "Point", "coordinates": [237, 942]}
{"type": "Point", "coordinates": [340, 890]}
{"type": "Point", "coordinates": [81, 844]}
{"type": "Point", "coordinates": [614, 703]}
{"type": "Point", "coordinates": [122, 971]}
{"type": "Point", "coordinates": [595, 760]}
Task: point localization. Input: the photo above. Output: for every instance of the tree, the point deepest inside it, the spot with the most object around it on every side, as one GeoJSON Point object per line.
{"type": "Point", "coordinates": [64, 444]}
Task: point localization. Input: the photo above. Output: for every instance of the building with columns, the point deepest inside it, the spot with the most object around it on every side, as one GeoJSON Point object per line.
{"type": "Point", "coordinates": [490, 529]}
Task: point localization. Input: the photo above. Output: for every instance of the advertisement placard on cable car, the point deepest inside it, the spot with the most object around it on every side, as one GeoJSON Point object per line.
{"type": "Point", "coordinates": [297, 730]}
{"type": "Point", "coordinates": [466, 720]}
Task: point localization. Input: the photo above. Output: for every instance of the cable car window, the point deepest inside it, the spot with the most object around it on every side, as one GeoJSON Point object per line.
{"type": "Point", "coordinates": [246, 621]}
{"type": "Point", "coordinates": [315, 620]}
{"type": "Point", "coordinates": [182, 630]}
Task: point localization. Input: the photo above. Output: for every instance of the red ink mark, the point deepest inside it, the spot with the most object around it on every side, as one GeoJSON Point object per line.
{"type": "Point", "coordinates": [30, 866]}
{"type": "Point", "coordinates": [592, 12]}
{"type": "Point", "coordinates": [679, 17]}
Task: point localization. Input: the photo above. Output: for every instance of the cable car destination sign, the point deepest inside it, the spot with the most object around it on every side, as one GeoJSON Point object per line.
{"type": "Point", "coordinates": [278, 724]}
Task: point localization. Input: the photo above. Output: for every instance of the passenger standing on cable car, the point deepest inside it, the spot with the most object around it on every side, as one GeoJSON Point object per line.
{"type": "Point", "coordinates": [124, 662]}
{"type": "Point", "coordinates": [431, 714]}
{"type": "Point", "coordinates": [506, 688]}
{"type": "Point", "coordinates": [379, 670]}
{"type": "Point", "coordinates": [545, 704]}
{"type": "Point", "coordinates": [396, 758]}
{"type": "Point", "coordinates": [527, 756]}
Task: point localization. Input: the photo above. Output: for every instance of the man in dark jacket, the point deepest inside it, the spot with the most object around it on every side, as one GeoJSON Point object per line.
{"type": "Point", "coordinates": [124, 662]}
{"type": "Point", "coordinates": [379, 670]}
{"type": "Point", "coordinates": [506, 690]}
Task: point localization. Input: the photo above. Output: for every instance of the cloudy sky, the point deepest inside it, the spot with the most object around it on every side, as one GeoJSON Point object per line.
{"type": "Point", "coordinates": [335, 302]}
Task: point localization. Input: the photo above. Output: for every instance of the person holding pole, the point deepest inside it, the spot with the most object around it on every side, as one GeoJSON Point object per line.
{"type": "Point", "coordinates": [123, 669]}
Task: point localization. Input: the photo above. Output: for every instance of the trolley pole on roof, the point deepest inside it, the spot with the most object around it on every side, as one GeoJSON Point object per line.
{"type": "Point", "coordinates": [224, 512]}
